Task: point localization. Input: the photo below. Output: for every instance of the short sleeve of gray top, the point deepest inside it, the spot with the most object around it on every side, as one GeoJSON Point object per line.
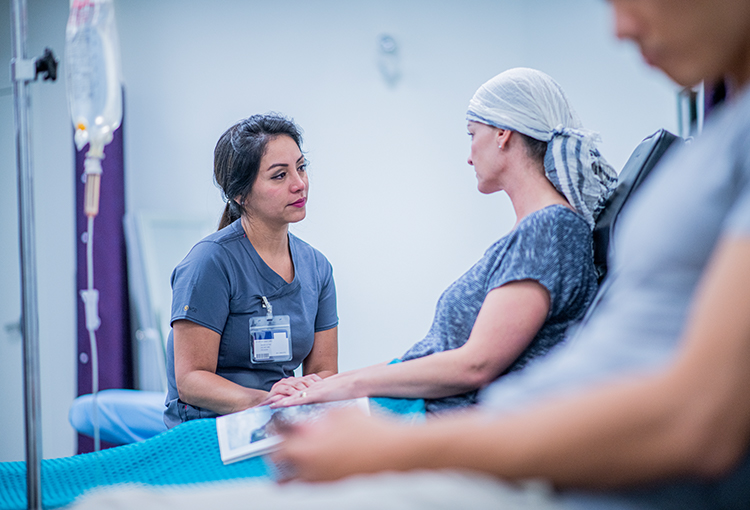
{"type": "Point", "coordinates": [219, 286]}
{"type": "Point", "coordinates": [665, 236]}
{"type": "Point", "coordinates": [552, 246]}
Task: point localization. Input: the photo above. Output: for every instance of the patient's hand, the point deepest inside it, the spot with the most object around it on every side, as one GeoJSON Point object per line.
{"type": "Point", "coordinates": [342, 443]}
{"type": "Point", "coordinates": [336, 387]}
{"type": "Point", "coordinates": [289, 386]}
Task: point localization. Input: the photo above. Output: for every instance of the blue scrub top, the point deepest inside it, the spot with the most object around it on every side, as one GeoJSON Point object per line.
{"type": "Point", "coordinates": [219, 286]}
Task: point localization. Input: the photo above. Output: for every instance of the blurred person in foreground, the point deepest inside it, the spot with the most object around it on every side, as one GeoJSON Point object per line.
{"type": "Point", "coordinates": [647, 407]}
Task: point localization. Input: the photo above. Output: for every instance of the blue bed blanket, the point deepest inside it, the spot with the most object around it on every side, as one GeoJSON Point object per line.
{"type": "Point", "coordinates": [186, 454]}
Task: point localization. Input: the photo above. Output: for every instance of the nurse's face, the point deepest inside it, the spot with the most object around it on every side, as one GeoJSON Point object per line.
{"type": "Point", "coordinates": [279, 194]}
{"type": "Point", "coordinates": [485, 156]}
{"type": "Point", "coordinates": [690, 40]}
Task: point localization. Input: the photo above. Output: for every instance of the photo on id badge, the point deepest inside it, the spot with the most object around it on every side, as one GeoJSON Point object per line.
{"type": "Point", "coordinates": [270, 339]}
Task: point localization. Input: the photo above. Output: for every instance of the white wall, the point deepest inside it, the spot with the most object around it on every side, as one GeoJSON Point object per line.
{"type": "Point", "coordinates": [393, 203]}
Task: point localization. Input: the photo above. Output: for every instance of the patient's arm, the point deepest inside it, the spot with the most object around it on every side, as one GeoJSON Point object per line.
{"type": "Point", "coordinates": [692, 419]}
{"type": "Point", "coordinates": [509, 319]}
{"type": "Point", "coordinates": [196, 352]}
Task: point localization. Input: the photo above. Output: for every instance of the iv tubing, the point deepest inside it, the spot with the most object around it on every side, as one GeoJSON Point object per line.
{"type": "Point", "coordinates": [92, 331]}
{"type": "Point", "coordinates": [90, 296]}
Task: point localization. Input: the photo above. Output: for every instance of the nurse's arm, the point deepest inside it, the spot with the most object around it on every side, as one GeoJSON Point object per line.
{"type": "Point", "coordinates": [691, 419]}
{"type": "Point", "coordinates": [196, 353]}
{"type": "Point", "coordinates": [324, 356]}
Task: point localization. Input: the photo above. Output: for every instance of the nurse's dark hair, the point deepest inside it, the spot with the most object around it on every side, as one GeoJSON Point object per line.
{"type": "Point", "coordinates": [237, 157]}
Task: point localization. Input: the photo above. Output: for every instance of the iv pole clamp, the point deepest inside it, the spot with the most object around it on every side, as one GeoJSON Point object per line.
{"type": "Point", "coordinates": [23, 71]}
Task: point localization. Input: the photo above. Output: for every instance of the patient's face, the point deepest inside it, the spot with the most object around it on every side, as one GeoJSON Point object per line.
{"type": "Point", "coordinates": [690, 40]}
{"type": "Point", "coordinates": [484, 156]}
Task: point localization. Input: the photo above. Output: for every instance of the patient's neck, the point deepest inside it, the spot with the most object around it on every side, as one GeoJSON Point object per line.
{"type": "Point", "coordinates": [532, 193]}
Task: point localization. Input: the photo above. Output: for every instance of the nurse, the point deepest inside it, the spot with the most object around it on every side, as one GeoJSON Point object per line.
{"type": "Point", "coordinates": [251, 302]}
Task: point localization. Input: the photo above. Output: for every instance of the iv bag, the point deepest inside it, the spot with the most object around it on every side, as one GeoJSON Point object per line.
{"type": "Point", "coordinates": [92, 71]}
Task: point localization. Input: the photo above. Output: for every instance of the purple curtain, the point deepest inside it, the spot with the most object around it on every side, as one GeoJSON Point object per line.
{"type": "Point", "coordinates": [110, 279]}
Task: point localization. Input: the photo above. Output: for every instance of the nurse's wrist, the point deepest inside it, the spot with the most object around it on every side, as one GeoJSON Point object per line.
{"type": "Point", "coordinates": [252, 398]}
{"type": "Point", "coordinates": [326, 373]}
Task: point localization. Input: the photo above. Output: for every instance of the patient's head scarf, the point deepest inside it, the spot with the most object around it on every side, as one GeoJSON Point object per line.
{"type": "Point", "coordinates": [532, 103]}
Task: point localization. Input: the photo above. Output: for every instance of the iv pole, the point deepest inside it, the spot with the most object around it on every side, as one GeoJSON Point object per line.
{"type": "Point", "coordinates": [22, 72]}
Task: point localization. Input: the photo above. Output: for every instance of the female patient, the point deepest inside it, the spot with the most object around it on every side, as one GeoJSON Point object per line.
{"type": "Point", "coordinates": [251, 301]}
{"type": "Point", "coordinates": [517, 301]}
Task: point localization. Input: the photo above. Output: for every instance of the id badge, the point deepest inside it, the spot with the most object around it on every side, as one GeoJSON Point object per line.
{"type": "Point", "coordinates": [270, 339]}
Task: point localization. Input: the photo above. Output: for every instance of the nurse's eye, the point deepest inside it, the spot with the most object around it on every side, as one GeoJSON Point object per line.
{"type": "Point", "coordinates": [279, 176]}
{"type": "Point", "coordinates": [302, 168]}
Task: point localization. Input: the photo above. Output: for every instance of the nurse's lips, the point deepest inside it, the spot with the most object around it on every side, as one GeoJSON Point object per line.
{"type": "Point", "coordinates": [299, 203]}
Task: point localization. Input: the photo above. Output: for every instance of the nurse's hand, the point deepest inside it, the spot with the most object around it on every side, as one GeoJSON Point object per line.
{"type": "Point", "coordinates": [289, 386]}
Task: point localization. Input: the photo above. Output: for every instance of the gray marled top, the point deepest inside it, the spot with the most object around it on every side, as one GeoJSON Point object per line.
{"type": "Point", "coordinates": [552, 246]}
